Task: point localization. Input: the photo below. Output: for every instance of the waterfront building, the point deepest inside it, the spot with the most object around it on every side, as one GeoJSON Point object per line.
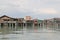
{"type": "Point", "coordinates": [29, 22]}
{"type": "Point", "coordinates": [52, 23]}
{"type": "Point", "coordinates": [9, 21]}
{"type": "Point", "coordinates": [28, 18]}
{"type": "Point", "coordinates": [19, 22]}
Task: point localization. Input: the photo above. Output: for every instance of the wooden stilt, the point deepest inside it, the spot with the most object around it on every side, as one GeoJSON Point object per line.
{"type": "Point", "coordinates": [9, 26]}
{"type": "Point", "coordinates": [15, 25]}
{"type": "Point", "coordinates": [0, 25]}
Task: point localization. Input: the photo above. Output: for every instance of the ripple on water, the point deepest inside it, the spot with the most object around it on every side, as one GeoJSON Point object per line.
{"type": "Point", "coordinates": [32, 35]}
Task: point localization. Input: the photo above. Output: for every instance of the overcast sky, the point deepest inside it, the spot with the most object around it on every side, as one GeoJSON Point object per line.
{"type": "Point", "coordinates": [41, 9]}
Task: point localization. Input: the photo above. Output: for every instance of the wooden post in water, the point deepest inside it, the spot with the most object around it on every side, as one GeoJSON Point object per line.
{"type": "Point", "coordinates": [15, 26]}
{"type": "Point", "coordinates": [9, 25]}
{"type": "Point", "coordinates": [23, 25]}
{"type": "Point", "coordinates": [56, 26]}
{"type": "Point", "coordinates": [33, 25]}
{"type": "Point", "coordinates": [0, 25]}
{"type": "Point", "coordinates": [43, 25]}
{"type": "Point", "coordinates": [26, 25]}
{"type": "Point", "coordinates": [40, 25]}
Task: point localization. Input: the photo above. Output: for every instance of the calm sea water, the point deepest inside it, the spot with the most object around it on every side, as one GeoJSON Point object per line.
{"type": "Point", "coordinates": [29, 34]}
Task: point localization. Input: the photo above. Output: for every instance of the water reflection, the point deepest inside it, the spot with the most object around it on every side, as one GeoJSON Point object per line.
{"type": "Point", "coordinates": [29, 33]}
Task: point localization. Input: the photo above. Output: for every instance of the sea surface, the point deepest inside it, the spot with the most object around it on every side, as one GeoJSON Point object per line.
{"type": "Point", "coordinates": [29, 33]}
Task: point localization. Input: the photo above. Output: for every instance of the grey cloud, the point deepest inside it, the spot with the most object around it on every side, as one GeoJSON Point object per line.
{"type": "Point", "coordinates": [27, 7]}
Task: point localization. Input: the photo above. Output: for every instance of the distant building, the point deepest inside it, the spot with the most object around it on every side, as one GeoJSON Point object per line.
{"type": "Point", "coordinates": [54, 20]}
{"type": "Point", "coordinates": [53, 23]}
{"type": "Point", "coordinates": [35, 21]}
{"type": "Point", "coordinates": [28, 18]}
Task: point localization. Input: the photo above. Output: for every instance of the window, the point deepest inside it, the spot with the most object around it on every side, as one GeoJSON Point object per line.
{"type": "Point", "coordinates": [5, 19]}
